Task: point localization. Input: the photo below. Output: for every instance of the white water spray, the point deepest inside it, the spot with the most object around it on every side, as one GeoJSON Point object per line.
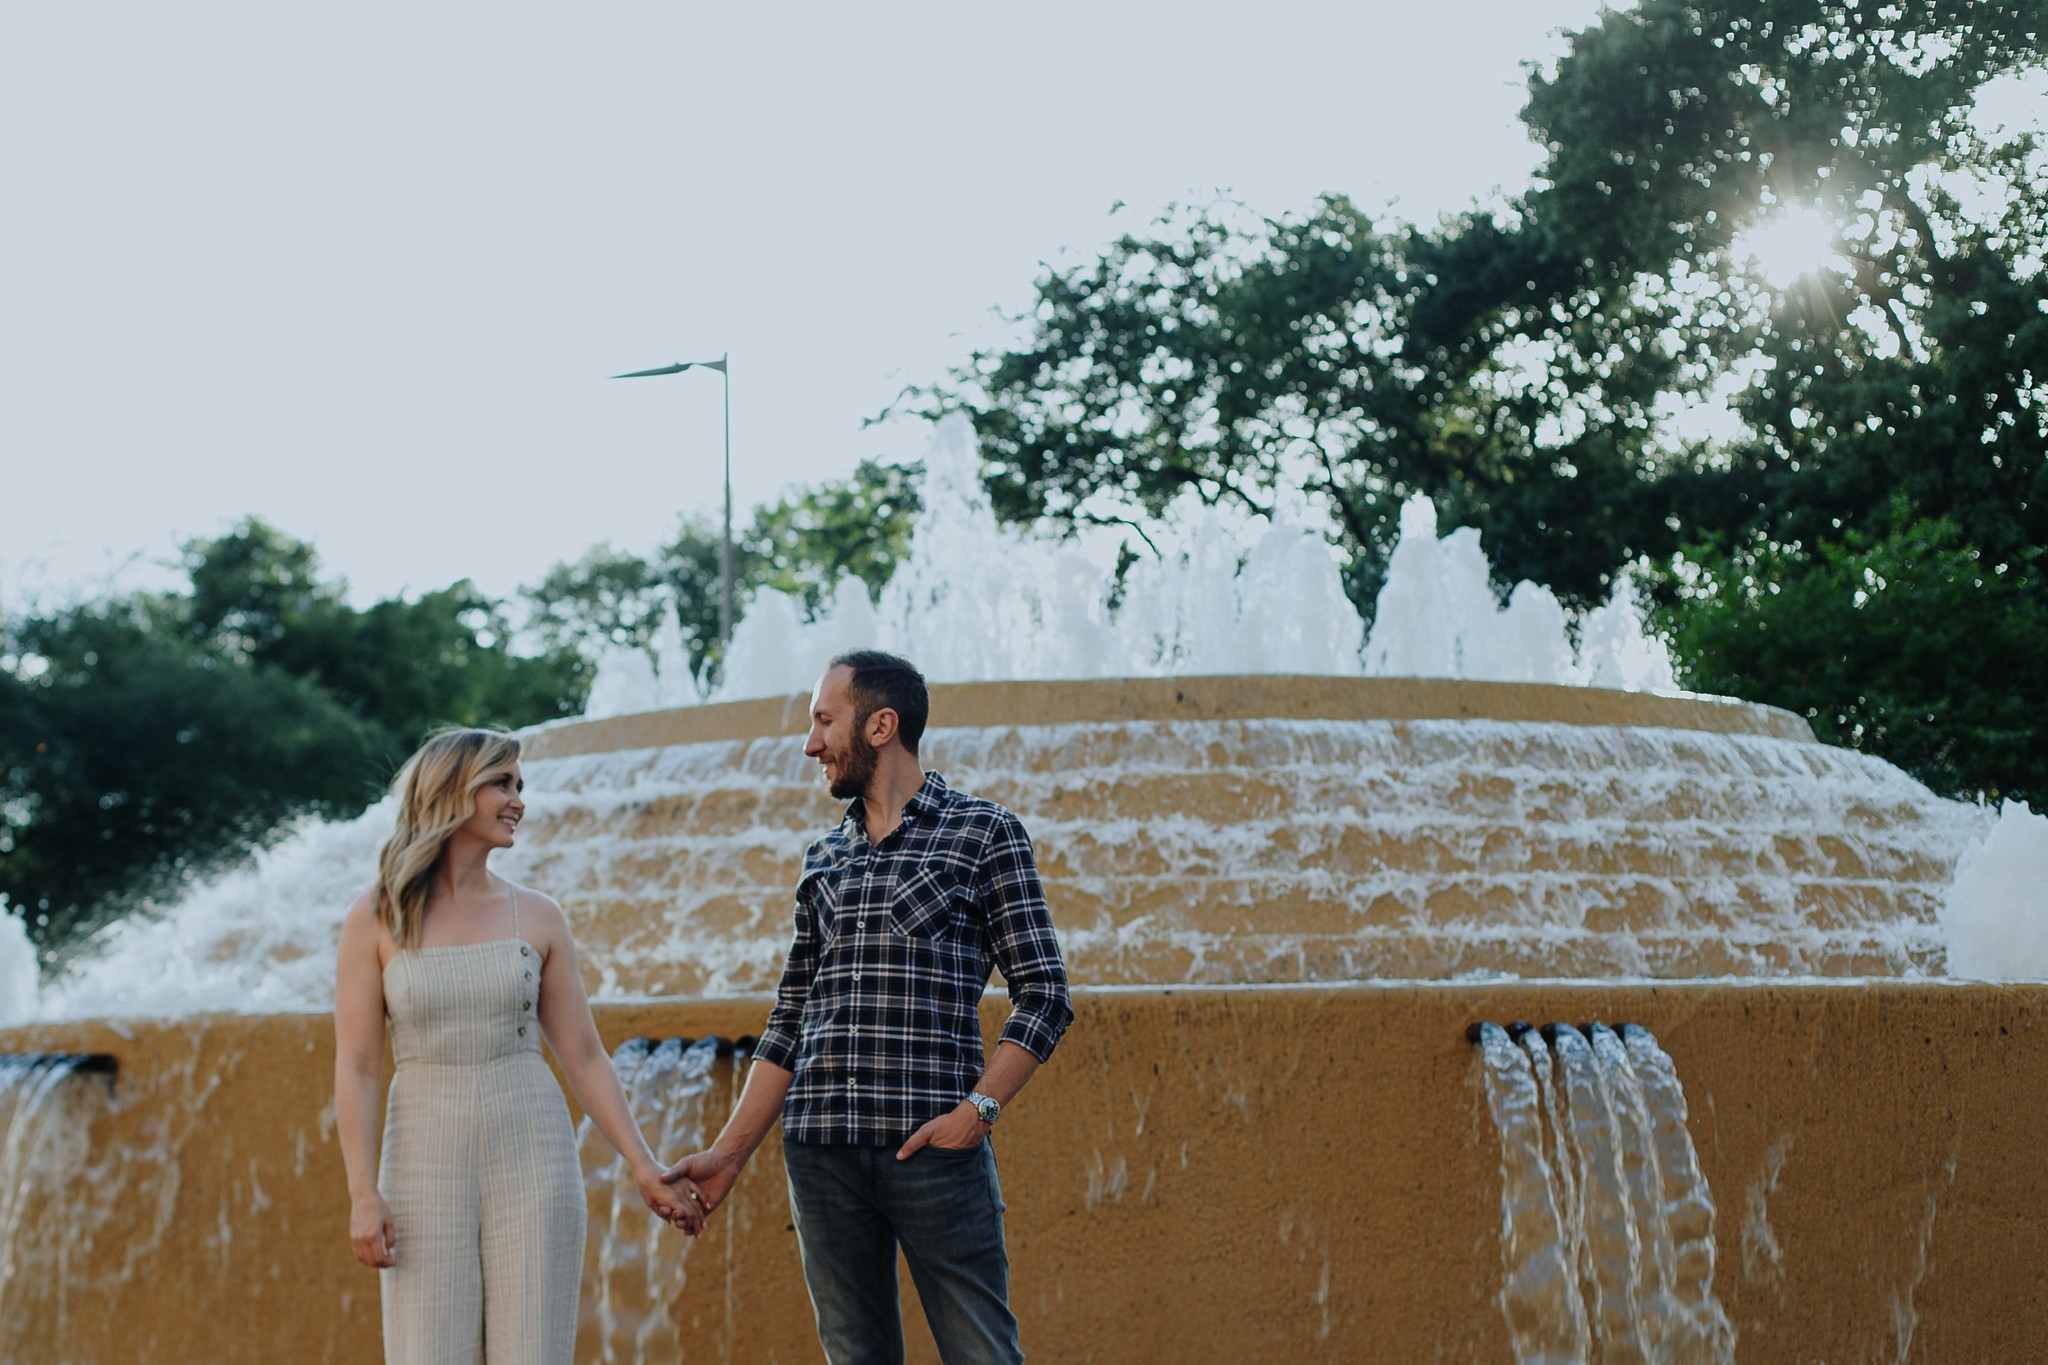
{"type": "Point", "coordinates": [20, 978]}
{"type": "Point", "coordinates": [1425, 849]}
{"type": "Point", "coordinates": [1996, 914]}
{"type": "Point", "coordinates": [975, 602]}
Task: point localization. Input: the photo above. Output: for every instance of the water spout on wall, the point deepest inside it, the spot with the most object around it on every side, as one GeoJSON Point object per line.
{"type": "Point", "coordinates": [1607, 1224]}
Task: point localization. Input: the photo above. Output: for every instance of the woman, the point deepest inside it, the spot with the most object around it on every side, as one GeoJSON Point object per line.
{"type": "Point", "coordinates": [476, 1214]}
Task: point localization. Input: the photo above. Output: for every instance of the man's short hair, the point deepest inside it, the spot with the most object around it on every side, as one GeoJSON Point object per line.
{"type": "Point", "coordinates": [880, 681]}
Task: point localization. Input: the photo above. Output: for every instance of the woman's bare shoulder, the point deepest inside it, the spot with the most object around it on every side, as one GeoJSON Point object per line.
{"type": "Point", "coordinates": [360, 926]}
{"type": "Point", "coordinates": [540, 905]}
{"type": "Point", "coordinates": [541, 917]}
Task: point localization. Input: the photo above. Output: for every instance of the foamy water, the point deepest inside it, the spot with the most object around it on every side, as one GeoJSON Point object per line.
{"type": "Point", "coordinates": [1227, 593]}
{"type": "Point", "coordinates": [1996, 913]}
{"type": "Point", "coordinates": [1198, 851]}
{"type": "Point", "coordinates": [20, 984]}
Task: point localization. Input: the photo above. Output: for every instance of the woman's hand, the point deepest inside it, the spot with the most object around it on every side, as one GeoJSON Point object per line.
{"type": "Point", "coordinates": [369, 1231]}
{"type": "Point", "coordinates": [707, 1176]}
{"type": "Point", "coordinates": [678, 1205]}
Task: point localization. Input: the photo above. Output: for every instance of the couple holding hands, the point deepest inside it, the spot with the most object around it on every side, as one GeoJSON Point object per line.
{"type": "Point", "coordinates": [872, 1057]}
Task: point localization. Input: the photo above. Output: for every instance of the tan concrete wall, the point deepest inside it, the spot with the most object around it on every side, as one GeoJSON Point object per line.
{"type": "Point", "coordinates": [1250, 1174]}
{"type": "Point", "coordinates": [1220, 697]}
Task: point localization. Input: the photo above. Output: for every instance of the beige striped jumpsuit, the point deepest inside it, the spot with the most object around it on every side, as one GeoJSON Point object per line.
{"type": "Point", "coordinates": [479, 1164]}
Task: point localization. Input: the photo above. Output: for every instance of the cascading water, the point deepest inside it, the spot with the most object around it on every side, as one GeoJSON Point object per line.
{"type": "Point", "coordinates": [1607, 1224]}
{"type": "Point", "coordinates": [46, 1109]}
{"type": "Point", "coordinates": [1198, 851]}
{"type": "Point", "coordinates": [1264, 831]}
{"type": "Point", "coordinates": [1539, 1249]}
{"type": "Point", "coordinates": [634, 1265]}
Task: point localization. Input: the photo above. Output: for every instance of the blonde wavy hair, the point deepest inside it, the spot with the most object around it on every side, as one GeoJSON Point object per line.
{"type": "Point", "coordinates": [436, 791]}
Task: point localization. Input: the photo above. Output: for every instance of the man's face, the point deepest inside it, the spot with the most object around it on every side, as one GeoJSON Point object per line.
{"type": "Point", "coordinates": [835, 741]}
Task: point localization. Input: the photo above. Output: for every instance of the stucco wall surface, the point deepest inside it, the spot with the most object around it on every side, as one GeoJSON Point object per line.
{"type": "Point", "coordinates": [1279, 1173]}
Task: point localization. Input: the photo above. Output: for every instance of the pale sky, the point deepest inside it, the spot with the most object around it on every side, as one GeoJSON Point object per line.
{"type": "Point", "coordinates": [363, 270]}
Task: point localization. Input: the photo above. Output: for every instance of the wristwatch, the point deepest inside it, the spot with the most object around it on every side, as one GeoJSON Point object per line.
{"type": "Point", "coordinates": [987, 1108]}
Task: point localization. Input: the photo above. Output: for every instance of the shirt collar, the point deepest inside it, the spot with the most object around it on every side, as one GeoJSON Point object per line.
{"type": "Point", "coordinates": [930, 797]}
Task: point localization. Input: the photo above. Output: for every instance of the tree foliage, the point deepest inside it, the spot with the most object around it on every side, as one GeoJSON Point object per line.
{"type": "Point", "coordinates": [150, 739]}
{"type": "Point", "coordinates": [804, 544]}
{"type": "Point", "coordinates": [1528, 368]}
{"type": "Point", "coordinates": [1913, 646]}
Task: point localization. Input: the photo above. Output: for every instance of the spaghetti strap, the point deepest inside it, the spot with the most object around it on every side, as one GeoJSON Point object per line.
{"type": "Point", "coordinates": [515, 907]}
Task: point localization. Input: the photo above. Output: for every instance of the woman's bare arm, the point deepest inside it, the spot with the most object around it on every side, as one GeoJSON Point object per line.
{"type": "Point", "coordinates": [571, 1031]}
{"type": "Point", "coordinates": [358, 1079]}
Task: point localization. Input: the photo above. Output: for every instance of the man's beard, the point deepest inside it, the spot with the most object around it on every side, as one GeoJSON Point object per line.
{"type": "Point", "coordinates": [855, 770]}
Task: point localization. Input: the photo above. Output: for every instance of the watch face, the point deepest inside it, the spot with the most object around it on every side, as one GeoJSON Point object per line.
{"type": "Point", "coordinates": [988, 1109]}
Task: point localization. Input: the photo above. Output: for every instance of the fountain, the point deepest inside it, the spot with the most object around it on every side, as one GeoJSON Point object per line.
{"type": "Point", "coordinates": [1292, 863]}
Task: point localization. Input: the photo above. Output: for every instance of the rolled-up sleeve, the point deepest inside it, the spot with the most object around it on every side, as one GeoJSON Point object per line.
{"type": "Point", "coordinates": [1022, 942]}
{"type": "Point", "coordinates": [783, 1034]}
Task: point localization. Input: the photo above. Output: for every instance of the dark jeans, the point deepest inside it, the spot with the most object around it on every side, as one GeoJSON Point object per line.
{"type": "Point", "coordinates": [853, 1205]}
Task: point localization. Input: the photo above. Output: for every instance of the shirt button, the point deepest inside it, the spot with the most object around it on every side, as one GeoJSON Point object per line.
{"type": "Point", "coordinates": [522, 1030]}
{"type": "Point", "coordinates": [856, 976]}
{"type": "Point", "coordinates": [856, 1030]}
{"type": "Point", "coordinates": [523, 950]}
{"type": "Point", "coordinates": [529, 976]}
{"type": "Point", "coordinates": [861, 923]}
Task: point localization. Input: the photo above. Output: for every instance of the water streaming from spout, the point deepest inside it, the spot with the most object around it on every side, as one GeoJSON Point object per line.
{"type": "Point", "coordinates": [1539, 1291]}
{"type": "Point", "coordinates": [1607, 1223]}
{"type": "Point", "coordinates": [634, 1266]}
{"type": "Point", "coordinates": [1698, 1328]}
{"type": "Point", "coordinates": [43, 1148]}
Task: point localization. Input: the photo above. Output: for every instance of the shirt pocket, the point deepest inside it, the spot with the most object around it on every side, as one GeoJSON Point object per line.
{"type": "Point", "coordinates": [924, 906]}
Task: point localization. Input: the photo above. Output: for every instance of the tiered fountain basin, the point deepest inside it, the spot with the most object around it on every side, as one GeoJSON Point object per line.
{"type": "Point", "coordinates": [1229, 1158]}
{"type": "Point", "coordinates": [1240, 829]}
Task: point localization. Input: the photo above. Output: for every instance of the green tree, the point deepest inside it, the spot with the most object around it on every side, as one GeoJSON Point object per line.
{"type": "Point", "coordinates": [1915, 646]}
{"type": "Point", "coordinates": [855, 527]}
{"type": "Point", "coordinates": [802, 544]}
{"type": "Point", "coordinates": [1523, 367]}
{"type": "Point", "coordinates": [404, 666]}
{"type": "Point", "coordinates": [608, 598]}
{"type": "Point", "coordinates": [148, 740]}
{"type": "Point", "coordinates": [132, 759]}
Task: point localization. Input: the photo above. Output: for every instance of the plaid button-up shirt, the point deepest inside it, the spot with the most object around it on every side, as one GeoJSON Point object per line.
{"type": "Point", "coordinates": [876, 1013]}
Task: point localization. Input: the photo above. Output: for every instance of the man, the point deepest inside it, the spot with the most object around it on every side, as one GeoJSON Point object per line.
{"type": "Point", "coordinates": [872, 1056]}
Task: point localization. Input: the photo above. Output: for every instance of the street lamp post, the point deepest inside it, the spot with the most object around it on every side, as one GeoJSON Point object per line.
{"type": "Point", "coordinates": [725, 540]}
